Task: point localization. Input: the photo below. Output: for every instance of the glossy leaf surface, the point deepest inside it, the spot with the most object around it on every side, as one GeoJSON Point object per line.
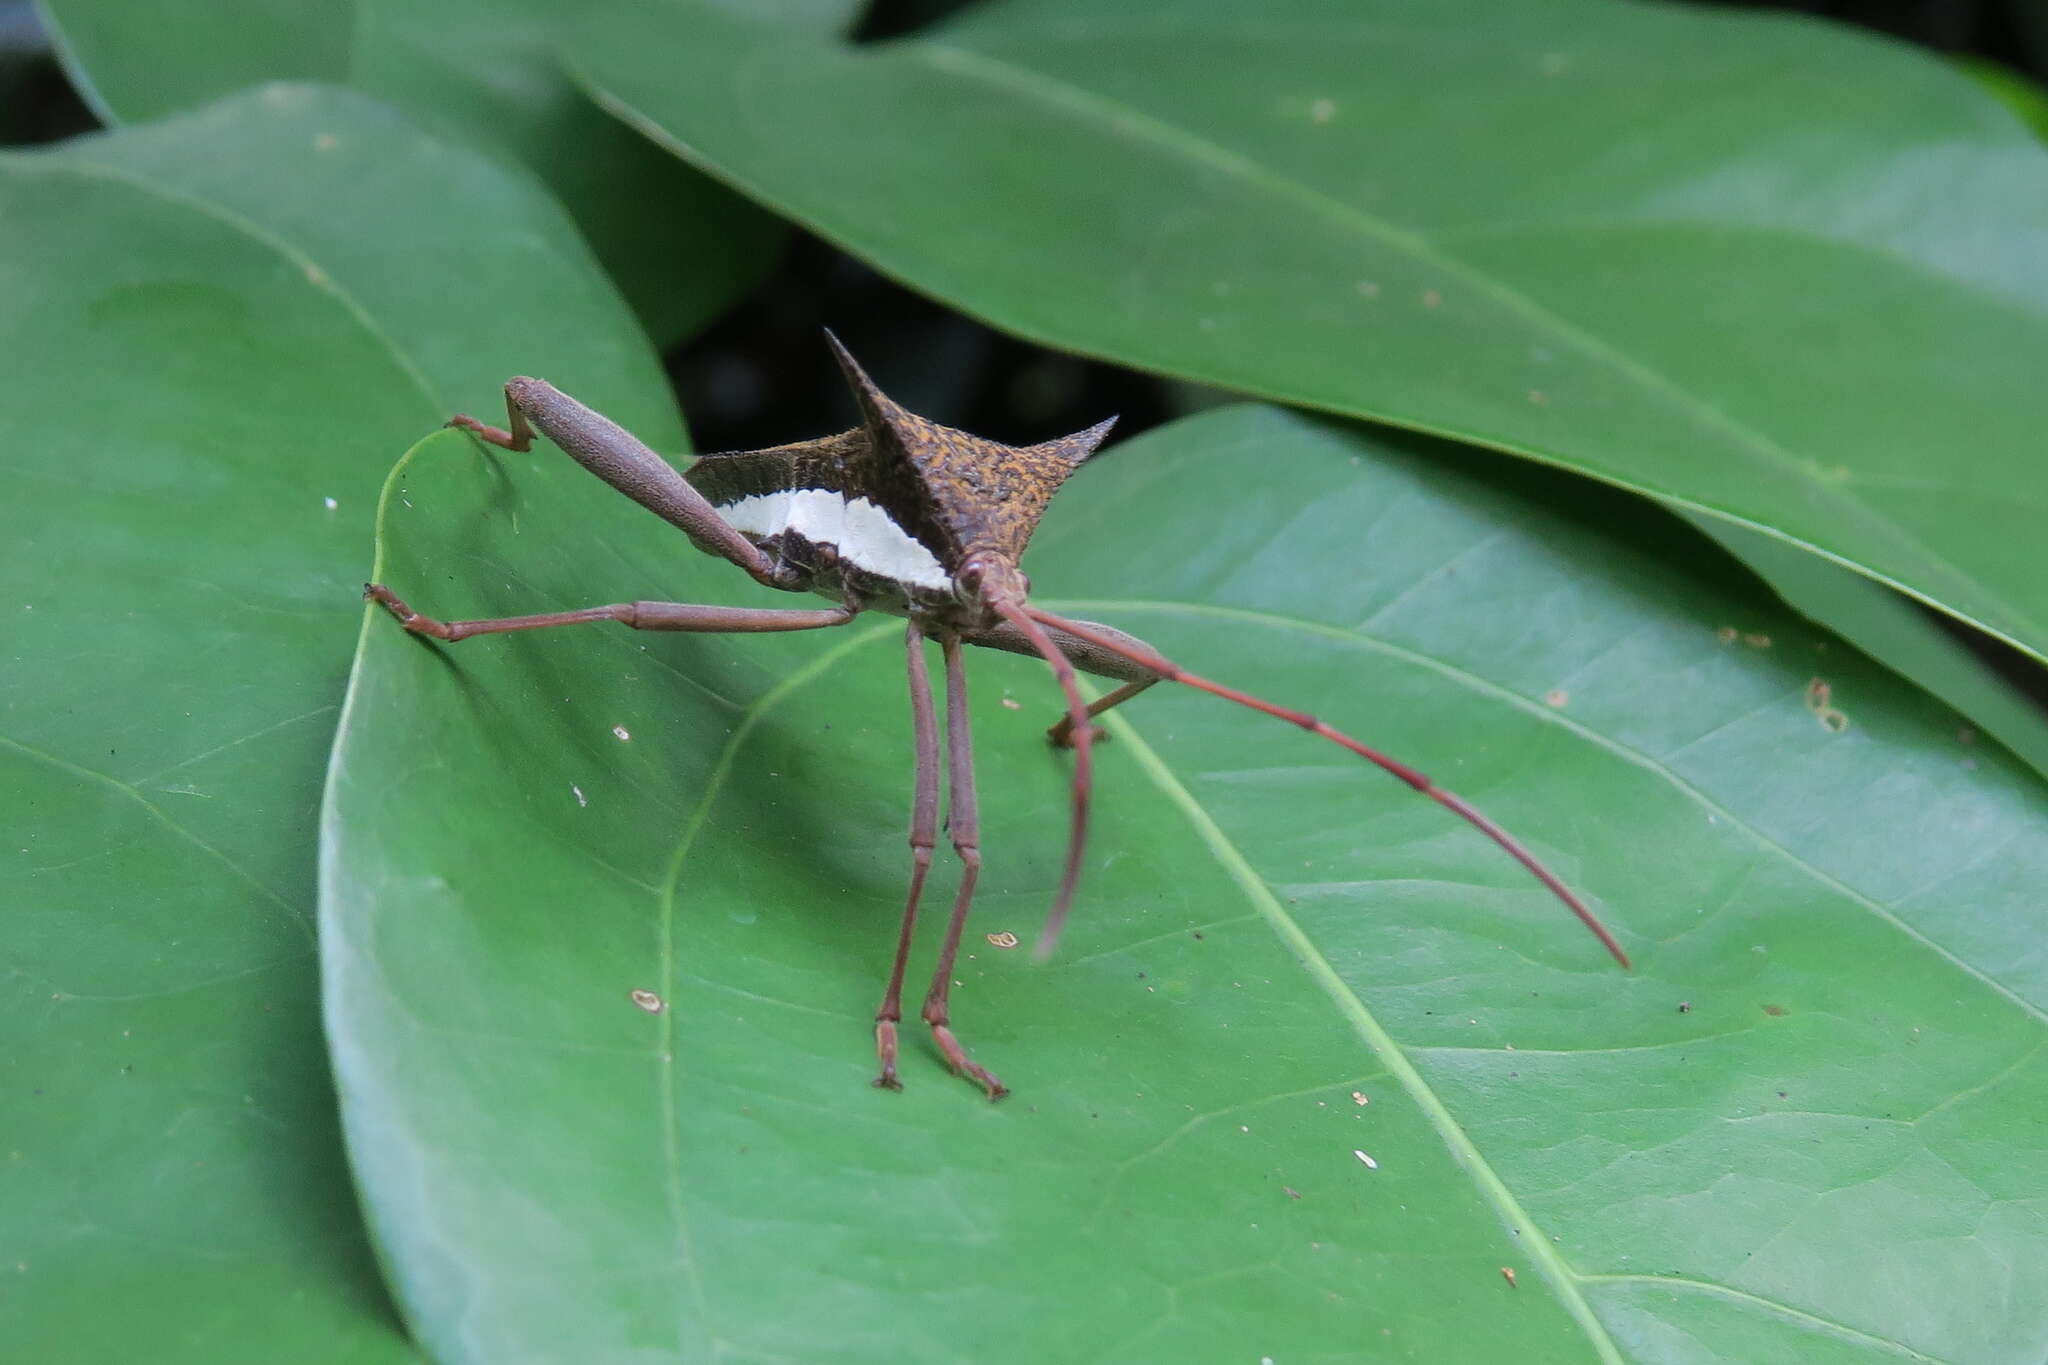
{"type": "Point", "coordinates": [1315, 1063]}
{"type": "Point", "coordinates": [1895, 631]}
{"type": "Point", "coordinates": [1770, 271]}
{"type": "Point", "coordinates": [481, 70]}
{"type": "Point", "coordinates": [209, 359]}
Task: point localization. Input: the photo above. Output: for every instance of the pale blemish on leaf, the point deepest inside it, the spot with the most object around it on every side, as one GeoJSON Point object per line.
{"type": "Point", "coordinates": [1818, 701]}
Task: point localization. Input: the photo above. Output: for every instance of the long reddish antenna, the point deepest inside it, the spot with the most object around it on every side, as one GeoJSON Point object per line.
{"type": "Point", "coordinates": [1084, 739]}
{"type": "Point", "coordinates": [1147, 657]}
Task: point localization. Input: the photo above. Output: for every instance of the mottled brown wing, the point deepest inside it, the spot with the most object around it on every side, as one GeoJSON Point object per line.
{"type": "Point", "coordinates": [832, 462]}
{"type": "Point", "coordinates": [848, 464]}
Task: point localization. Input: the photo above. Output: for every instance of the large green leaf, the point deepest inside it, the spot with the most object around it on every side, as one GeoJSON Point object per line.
{"type": "Point", "coordinates": [212, 346]}
{"type": "Point", "coordinates": [1805, 1128]}
{"type": "Point", "coordinates": [680, 245]}
{"type": "Point", "coordinates": [1766, 270]}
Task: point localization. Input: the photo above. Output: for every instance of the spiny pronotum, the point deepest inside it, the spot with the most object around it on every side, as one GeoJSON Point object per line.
{"type": "Point", "coordinates": [904, 516]}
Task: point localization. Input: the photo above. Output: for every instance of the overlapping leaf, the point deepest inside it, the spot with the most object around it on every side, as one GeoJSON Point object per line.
{"type": "Point", "coordinates": [605, 917]}
{"type": "Point", "coordinates": [211, 352]}
{"type": "Point", "coordinates": [483, 70]}
{"type": "Point", "coordinates": [1772, 272]}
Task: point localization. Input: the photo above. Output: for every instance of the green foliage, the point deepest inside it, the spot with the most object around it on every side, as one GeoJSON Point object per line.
{"type": "Point", "coordinates": [1809, 297]}
{"type": "Point", "coordinates": [207, 378]}
{"type": "Point", "coordinates": [481, 70]}
{"type": "Point", "coordinates": [1784, 280]}
{"type": "Point", "coordinates": [1267, 926]}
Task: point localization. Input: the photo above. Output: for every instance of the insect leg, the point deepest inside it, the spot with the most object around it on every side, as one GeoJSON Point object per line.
{"type": "Point", "coordinates": [963, 824]}
{"type": "Point", "coordinates": [618, 457]}
{"type": "Point", "coordinates": [1043, 643]}
{"type": "Point", "coordinates": [639, 615]}
{"type": "Point", "coordinates": [1088, 655]}
{"type": "Point", "coordinates": [1061, 733]}
{"type": "Point", "coordinates": [924, 832]}
{"type": "Point", "coordinates": [1151, 659]}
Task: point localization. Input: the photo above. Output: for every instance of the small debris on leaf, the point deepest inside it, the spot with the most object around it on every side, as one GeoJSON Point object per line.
{"type": "Point", "coordinates": [580, 800]}
{"type": "Point", "coordinates": [1358, 1097]}
{"type": "Point", "coordinates": [1818, 698]}
{"type": "Point", "coordinates": [1507, 1273]}
{"type": "Point", "coordinates": [649, 1001]}
{"type": "Point", "coordinates": [1006, 939]}
{"type": "Point", "coordinates": [1012, 704]}
{"type": "Point", "coordinates": [1370, 1164]}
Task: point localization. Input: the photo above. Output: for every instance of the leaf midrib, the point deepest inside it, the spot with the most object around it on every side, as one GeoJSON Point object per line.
{"type": "Point", "coordinates": [1564, 1281]}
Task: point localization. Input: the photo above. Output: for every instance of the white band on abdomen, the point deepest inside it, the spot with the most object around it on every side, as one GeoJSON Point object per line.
{"type": "Point", "coordinates": [863, 533]}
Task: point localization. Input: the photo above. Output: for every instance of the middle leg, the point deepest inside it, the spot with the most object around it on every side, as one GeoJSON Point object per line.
{"type": "Point", "coordinates": [963, 823]}
{"type": "Point", "coordinates": [924, 836]}
{"type": "Point", "coordinates": [683, 616]}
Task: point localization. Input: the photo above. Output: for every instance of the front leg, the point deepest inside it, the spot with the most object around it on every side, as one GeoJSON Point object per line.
{"type": "Point", "coordinates": [622, 460]}
{"type": "Point", "coordinates": [683, 616]}
{"type": "Point", "coordinates": [1086, 655]}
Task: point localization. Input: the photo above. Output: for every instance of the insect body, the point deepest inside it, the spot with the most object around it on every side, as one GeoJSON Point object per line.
{"type": "Point", "coordinates": [904, 516]}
